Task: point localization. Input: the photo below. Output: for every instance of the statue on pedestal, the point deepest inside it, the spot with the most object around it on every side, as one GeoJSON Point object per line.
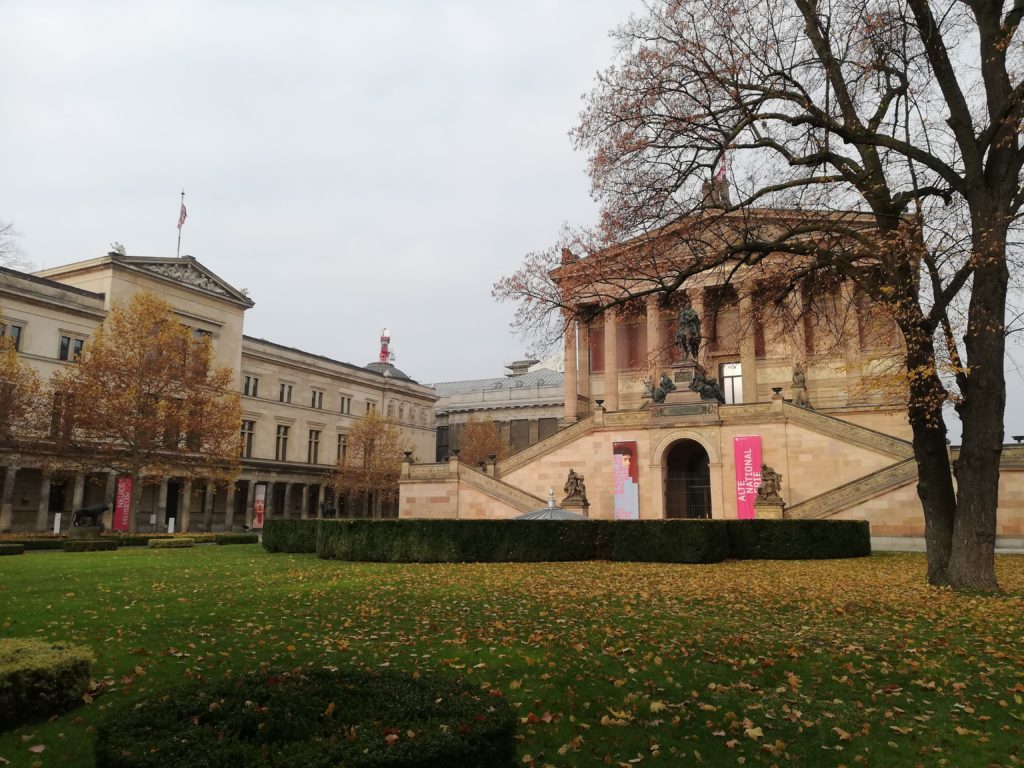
{"type": "Point", "coordinates": [771, 485]}
{"type": "Point", "coordinates": [688, 333]}
{"type": "Point", "coordinates": [800, 386]}
{"type": "Point", "coordinates": [575, 491]}
{"type": "Point", "coordinates": [660, 392]}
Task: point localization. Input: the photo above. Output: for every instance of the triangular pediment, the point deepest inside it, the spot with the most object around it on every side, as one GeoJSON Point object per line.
{"type": "Point", "coordinates": [188, 271]}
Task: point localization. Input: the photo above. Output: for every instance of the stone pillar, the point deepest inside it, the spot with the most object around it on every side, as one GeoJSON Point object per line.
{"type": "Point", "coordinates": [43, 512]}
{"type": "Point", "coordinates": [696, 298]}
{"type": "Point", "coordinates": [655, 355]}
{"type": "Point", "coordinates": [748, 347]}
{"type": "Point", "coordinates": [79, 492]}
{"type": "Point", "coordinates": [110, 499]}
{"type": "Point", "coordinates": [209, 492]}
{"type": "Point", "coordinates": [287, 511]}
{"type": "Point", "coordinates": [268, 499]}
{"type": "Point", "coordinates": [570, 378]}
{"type": "Point", "coordinates": [304, 502]}
{"type": "Point", "coordinates": [7, 499]}
{"type": "Point", "coordinates": [583, 359]}
{"type": "Point", "coordinates": [185, 505]}
{"type": "Point", "coordinates": [161, 506]}
{"type": "Point", "coordinates": [611, 361]}
{"type": "Point", "coordinates": [229, 506]}
{"type": "Point", "coordinates": [797, 337]}
{"type": "Point", "coordinates": [250, 499]}
{"type": "Point", "coordinates": [851, 341]}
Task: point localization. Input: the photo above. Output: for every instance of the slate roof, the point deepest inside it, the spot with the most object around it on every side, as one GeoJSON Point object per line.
{"type": "Point", "coordinates": [542, 377]}
{"type": "Point", "coordinates": [551, 513]}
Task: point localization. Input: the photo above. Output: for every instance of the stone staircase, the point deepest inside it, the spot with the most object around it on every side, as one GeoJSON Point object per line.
{"type": "Point", "coordinates": [521, 500]}
{"type": "Point", "coordinates": [847, 432]}
{"type": "Point", "coordinates": [855, 492]}
{"type": "Point", "coordinates": [548, 444]}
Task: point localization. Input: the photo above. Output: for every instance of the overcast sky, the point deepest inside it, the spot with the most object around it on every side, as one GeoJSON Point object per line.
{"type": "Point", "coordinates": [352, 164]}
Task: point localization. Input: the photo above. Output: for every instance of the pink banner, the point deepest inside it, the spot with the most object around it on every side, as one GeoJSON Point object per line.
{"type": "Point", "coordinates": [747, 455]}
{"type": "Point", "coordinates": [259, 505]}
{"type": "Point", "coordinates": [122, 504]}
{"type": "Point", "coordinates": [626, 479]}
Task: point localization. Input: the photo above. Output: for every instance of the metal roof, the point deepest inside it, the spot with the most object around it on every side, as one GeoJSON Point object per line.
{"type": "Point", "coordinates": [542, 377]}
{"type": "Point", "coordinates": [552, 513]}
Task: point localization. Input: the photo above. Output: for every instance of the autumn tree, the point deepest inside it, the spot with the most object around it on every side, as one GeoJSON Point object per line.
{"type": "Point", "coordinates": [22, 400]}
{"type": "Point", "coordinates": [372, 462]}
{"type": "Point", "coordinates": [888, 132]}
{"type": "Point", "coordinates": [478, 439]}
{"type": "Point", "coordinates": [145, 400]}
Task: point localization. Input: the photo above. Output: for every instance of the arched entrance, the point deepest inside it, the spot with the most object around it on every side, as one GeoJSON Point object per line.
{"type": "Point", "coordinates": [687, 481]}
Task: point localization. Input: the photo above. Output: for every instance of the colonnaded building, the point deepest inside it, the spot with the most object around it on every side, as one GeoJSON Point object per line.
{"type": "Point", "coordinates": [819, 401]}
{"type": "Point", "coordinates": [297, 407]}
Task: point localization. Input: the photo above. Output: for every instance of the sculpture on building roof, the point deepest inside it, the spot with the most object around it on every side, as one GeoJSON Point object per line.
{"type": "Point", "coordinates": [660, 392]}
{"type": "Point", "coordinates": [707, 387]}
{"type": "Point", "coordinates": [688, 332]}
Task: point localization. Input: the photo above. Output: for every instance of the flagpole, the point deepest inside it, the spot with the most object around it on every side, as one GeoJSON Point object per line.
{"type": "Point", "coordinates": [180, 222]}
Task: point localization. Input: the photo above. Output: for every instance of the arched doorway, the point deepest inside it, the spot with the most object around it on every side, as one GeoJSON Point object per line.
{"type": "Point", "coordinates": [687, 481]}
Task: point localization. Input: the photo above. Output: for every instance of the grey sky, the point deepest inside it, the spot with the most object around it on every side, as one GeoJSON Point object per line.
{"type": "Point", "coordinates": [353, 164]}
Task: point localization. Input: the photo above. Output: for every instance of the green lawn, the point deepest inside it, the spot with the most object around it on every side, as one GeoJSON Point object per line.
{"type": "Point", "coordinates": [851, 662]}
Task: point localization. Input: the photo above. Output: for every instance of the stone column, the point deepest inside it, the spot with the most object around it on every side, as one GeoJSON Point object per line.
{"type": "Point", "coordinates": [611, 361]}
{"type": "Point", "coordinates": [569, 378]}
{"type": "Point", "coordinates": [109, 498]}
{"type": "Point", "coordinates": [851, 342]}
{"type": "Point", "coordinates": [287, 511]}
{"type": "Point", "coordinates": [655, 354]}
{"type": "Point", "coordinates": [79, 492]}
{"type": "Point", "coordinates": [250, 499]}
{"type": "Point", "coordinates": [43, 512]}
{"type": "Point", "coordinates": [797, 337]}
{"type": "Point", "coordinates": [161, 506]}
{"type": "Point", "coordinates": [583, 359]}
{"type": "Point", "coordinates": [229, 506]}
{"type": "Point", "coordinates": [304, 502]}
{"type": "Point", "coordinates": [696, 298]}
{"type": "Point", "coordinates": [7, 499]}
{"type": "Point", "coordinates": [268, 499]}
{"type": "Point", "coordinates": [209, 492]}
{"type": "Point", "coordinates": [748, 347]}
{"type": "Point", "coordinates": [185, 505]}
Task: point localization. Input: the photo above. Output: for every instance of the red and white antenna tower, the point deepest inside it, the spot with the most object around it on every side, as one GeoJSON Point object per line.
{"type": "Point", "coordinates": [386, 356]}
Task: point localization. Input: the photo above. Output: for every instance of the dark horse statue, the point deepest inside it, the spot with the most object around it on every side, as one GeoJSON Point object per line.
{"type": "Point", "coordinates": [93, 514]}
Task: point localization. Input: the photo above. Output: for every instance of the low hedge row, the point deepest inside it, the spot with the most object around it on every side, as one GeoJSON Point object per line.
{"type": "Point", "coordinates": [178, 543]}
{"type": "Point", "coordinates": [312, 719]}
{"type": "Point", "coordinates": [11, 549]}
{"type": "Point", "coordinates": [90, 545]}
{"type": "Point", "coordinates": [237, 538]}
{"type": "Point", "coordinates": [661, 541]}
{"type": "Point", "coordinates": [39, 678]}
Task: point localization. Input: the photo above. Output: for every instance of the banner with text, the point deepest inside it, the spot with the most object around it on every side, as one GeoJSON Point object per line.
{"type": "Point", "coordinates": [259, 501]}
{"type": "Point", "coordinates": [747, 455]}
{"type": "Point", "coordinates": [626, 480]}
{"type": "Point", "coordinates": [122, 504]}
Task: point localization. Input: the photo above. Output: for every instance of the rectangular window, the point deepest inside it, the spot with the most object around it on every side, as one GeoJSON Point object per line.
{"type": "Point", "coordinates": [286, 393]}
{"type": "Point", "coordinates": [317, 399]}
{"type": "Point", "coordinates": [251, 386]}
{"type": "Point", "coordinates": [281, 447]}
{"type": "Point", "coordinates": [342, 448]}
{"type": "Point", "coordinates": [732, 383]}
{"type": "Point", "coordinates": [313, 452]}
{"type": "Point", "coordinates": [13, 332]}
{"type": "Point", "coordinates": [248, 428]}
{"type": "Point", "coordinates": [346, 404]}
{"type": "Point", "coordinates": [371, 407]}
{"type": "Point", "coordinates": [70, 348]}
{"type": "Point", "coordinates": [65, 348]}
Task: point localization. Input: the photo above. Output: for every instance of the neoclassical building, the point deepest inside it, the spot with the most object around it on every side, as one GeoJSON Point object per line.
{"type": "Point", "coordinates": [811, 390]}
{"type": "Point", "coordinates": [297, 407]}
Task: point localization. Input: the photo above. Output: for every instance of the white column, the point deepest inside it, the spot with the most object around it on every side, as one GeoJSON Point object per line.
{"type": "Point", "coordinates": [748, 347]}
{"type": "Point", "coordinates": [79, 492]}
{"type": "Point", "coordinates": [229, 506]}
{"type": "Point", "coordinates": [185, 506]}
{"type": "Point", "coordinates": [583, 359]}
{"type": "Point", "coordinates": [611, 361]}
{"type": "Point", "coordinates": [696, 298]}
{"type": "Point", "coordinates": [161, 506]}
{"type": "Point", "coordinates": [851, 332]}
{"type": "Point", "coordinates": [304, 502]}
{"type": "Point", "coordinates": [250, 499]}
{"type": "Point", "coordinates": [570, 377]}
{"type": "Point", "coordinates": [208, 495]}
{"type": "Point", "coordinates": [655, 355]}
{"type": "Point", "coordinates": [109, 498]}
{"type": "Point", "coordinates": [43, 511]}
{"type": "Point", "coordinates": [7, 500]}
{"type": "Point", "coordinates": [286, 512]}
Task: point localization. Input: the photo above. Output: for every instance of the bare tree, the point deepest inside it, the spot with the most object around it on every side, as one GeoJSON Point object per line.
{"type": "Point", "coordinates": [11, 254]}
{"type": "Point", "coordinates": [872, 141]}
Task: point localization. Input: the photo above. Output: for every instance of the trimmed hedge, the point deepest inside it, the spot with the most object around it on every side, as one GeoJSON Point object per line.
{"type": "Point", "coordinates": [312, 719]}
{"type": "Point", "coordinates": [37, 544]}
{"type": "Point", "coordinates": [237, 538]}
{"type": "Point", "coordinates": [182, 543]}
{"type": "Point", "coordinates": [90, 545]}
{"type": "Point", "coordinates": [656, 541]}
{"type": "Point", "coordinates": [39, 678]}
{"type": "Point", "coordinates": [798, 539]}
{"type": "Point", "coordinates": [286, 535]}
{"type": "Point", "coordinates": [11, 549]}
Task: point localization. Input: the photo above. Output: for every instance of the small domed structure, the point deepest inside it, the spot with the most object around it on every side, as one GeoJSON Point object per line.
{"type": "Point", "coordinates": [551, 512]}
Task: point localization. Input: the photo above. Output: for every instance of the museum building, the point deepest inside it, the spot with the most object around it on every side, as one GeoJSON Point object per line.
{"type": "Point", "coordinates": [297, 407]}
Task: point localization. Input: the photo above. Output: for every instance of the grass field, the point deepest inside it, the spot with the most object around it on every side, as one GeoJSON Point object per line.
{"type": "Point", "coordinates": [829, 663]}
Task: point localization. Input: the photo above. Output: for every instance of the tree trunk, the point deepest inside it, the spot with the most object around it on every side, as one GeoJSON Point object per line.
{"type": "Point", "coordinates": [972, 562]}
{"type": "Point", "coordinates": [934, 478]}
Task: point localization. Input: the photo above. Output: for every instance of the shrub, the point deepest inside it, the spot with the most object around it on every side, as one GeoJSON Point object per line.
{"type": "Point", "coordinates": [39, 678]}
{"type": "Point", "coordinates": [312, 719]}
{"type": "Point", "coordinates": [284, 535]}
{"type": "Point", "coordinates": [37, 544]}
{"type": "Point", "coordinates": [798, 539]}
{"type": "Point", "coordinates": [11, 549]}
{"type": "Point", "coordinates": [90, 545]}
{"type": "Point", "coordinates": [237, 538]}
{"type": "Point", "coordinates": [178, 543]}
{"type": "Point", "coordinates": [662, 541]}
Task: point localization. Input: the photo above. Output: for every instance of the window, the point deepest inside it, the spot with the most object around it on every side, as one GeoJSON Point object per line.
{"type": "Point", "coordinates": [199, 334]}
{"type": "Point", "coordinates": [286, 393]}
{"type": "Point", "coordinates": [70, 347]}
{"type": "Point", "coordinates": [732, 383]}
{"type": "Point", "coordinates": [317, 400]}
{"type": "Point", "coordinates": [313, 453]}
{"type": "Point", "coordinates": [371, 407]}
{"type": "Point", "coordinates": [281, 447]}
{"type": "Point", "coordinates": [346, 404]}
{"type": "Point", "coordinates": [342, 448]}
{"type": "Point", "coordinates": [13, 332]}
{"type": "Point", "coordinates": [248, 428]}
{"type": "Point", "coordinates": [251, 385]}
